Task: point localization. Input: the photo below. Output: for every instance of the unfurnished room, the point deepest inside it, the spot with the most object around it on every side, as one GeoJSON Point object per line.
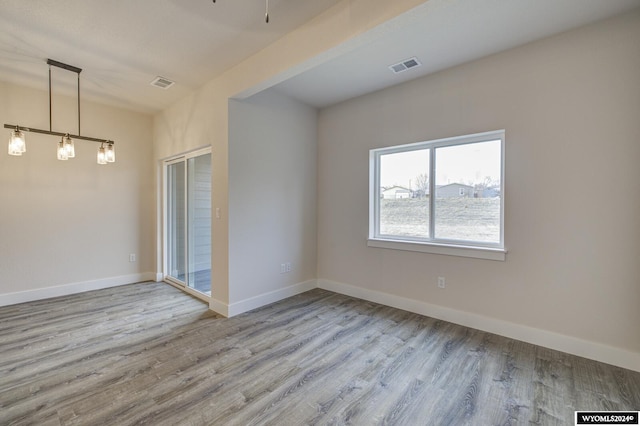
{"type": "Point", "coordinates": [327, 212]}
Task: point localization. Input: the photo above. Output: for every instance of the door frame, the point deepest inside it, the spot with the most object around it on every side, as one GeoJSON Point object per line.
{"type": "Point", "coordinates": [165, 163]}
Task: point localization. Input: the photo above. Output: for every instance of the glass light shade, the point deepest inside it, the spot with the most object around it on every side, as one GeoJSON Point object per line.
{"type": "Point", "coordinates": [68, 146]}
{"type": "Point", "coordinates": [17, 144]}
{"type": "Point", "coordinates": [111, 154]}
{"type": "Point", "coordinates": [62, 151]}
{"type": "Point", "coordinates": [102, 155]}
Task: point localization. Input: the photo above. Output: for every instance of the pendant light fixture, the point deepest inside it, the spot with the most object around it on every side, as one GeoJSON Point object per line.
{"type": "Point", "coordinates": [62, 151]}
{"type": "Point", "coordinates": [111, 153]}
{"type": "Point", "coordinates": [66, 148]}
{"type": "Point", "coordinates": [17, 145]}
{"type": "Point", "coordinates": [102, 155]}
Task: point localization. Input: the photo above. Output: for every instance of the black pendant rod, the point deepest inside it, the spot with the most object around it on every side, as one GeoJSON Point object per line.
{"type": "Point", "coordinates": [68, 68]}
{"type": "Point", "coordinates": [49, 132]}
{"type": "Point", "coordinates": [64, 66]}
{"type": "Point", "coordinates": [50, 129]}
{"type": "Point", "coordinates": [78, 103]}
{"type": "Point", "coordinates": [71, 68]}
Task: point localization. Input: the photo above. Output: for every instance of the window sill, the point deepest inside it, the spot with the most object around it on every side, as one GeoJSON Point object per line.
{"type": "Point", "coordinates": [445, 249]}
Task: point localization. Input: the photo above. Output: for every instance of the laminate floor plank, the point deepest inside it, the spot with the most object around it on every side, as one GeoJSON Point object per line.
{"type": "Point", "coordinates": [148, 354]}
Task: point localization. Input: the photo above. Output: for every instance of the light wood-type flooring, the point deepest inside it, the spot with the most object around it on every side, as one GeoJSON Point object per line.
{"type": "Point", "coordinates": [150, 354]}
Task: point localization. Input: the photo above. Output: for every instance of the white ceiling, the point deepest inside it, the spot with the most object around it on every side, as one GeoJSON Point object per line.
{"type": "Point", "coordinates": [442, 34]}
{"type": "Point", "coordinates": [122, 45]}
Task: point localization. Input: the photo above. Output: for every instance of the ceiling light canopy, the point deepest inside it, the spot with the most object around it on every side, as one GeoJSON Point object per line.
{"type": "Point", "coordinates": [266, 12]}
{"type": "Point", "coordinates": [66, 148]}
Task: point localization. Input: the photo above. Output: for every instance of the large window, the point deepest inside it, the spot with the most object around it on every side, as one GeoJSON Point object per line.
{"type": "Point", "coordinates": [444, 196]}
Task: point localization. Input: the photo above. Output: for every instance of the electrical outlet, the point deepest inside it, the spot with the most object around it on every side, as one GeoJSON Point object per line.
{"type": "Point", "coordinates": [132, 257]}
{"type": "Point", "coordinates": [285, 268]}
{"type": "Point", "coordinates": [441, 282]}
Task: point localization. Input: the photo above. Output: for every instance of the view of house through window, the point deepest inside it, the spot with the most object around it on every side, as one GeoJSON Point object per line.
{"type": "Point", "coordinates": [404, 191]}
{"type": "Point", "coordinates": [464, 173]}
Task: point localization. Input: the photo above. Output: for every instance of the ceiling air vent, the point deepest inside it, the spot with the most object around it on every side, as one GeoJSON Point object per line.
{"type": "Point", "coordinates": [405, 65]}
{"type": "Point", "coordinates": [162, 82]}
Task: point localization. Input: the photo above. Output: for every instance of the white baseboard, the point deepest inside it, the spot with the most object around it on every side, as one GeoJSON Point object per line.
{"type": "Point", "coordinates": [584, 348]}
{"type": "Point", "coordinates": [219, 307]}
{"type": "Point", "coordinates": [73, 288]}
{"type": "Point", "coordinates": [588, 349]}
{"type": "Point", "coordinates": [255, 302]}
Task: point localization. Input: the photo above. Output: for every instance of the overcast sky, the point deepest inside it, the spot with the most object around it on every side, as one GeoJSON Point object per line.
{"type": "Point", "coordinates": [455, 164]}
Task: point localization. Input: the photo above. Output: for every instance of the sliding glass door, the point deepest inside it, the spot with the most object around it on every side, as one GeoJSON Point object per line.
{"type": "Point", "coordinates": [188, 221]}
{"type": "Point", "coordinates": [176, 222]}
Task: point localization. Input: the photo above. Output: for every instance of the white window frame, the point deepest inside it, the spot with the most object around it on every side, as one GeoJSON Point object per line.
{"type": "Point", "coordinates": [474, 249]}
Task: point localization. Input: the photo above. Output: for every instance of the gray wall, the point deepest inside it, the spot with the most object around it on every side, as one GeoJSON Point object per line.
{"type": "Point", "coordinates": [272, 194]}
{"type": "Point", "coordinates": [570, 106]}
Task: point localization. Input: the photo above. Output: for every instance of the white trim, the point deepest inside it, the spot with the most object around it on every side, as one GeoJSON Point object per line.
{"type": "Point", "coordinates": [219, 307]}
{"type": "Point", "coordinates": [195, 293]}
{"type": "Point", "coordinates": [374, 198]}
{"type": "Point", "coordinates": [159, 221]}
{"type": "Point", "coordinates": [446, 249]}
{"type": "Point", "coordinates": [162, 206]}
{"type": "Point", "coordinates": [73, 288]}
{"type": "Point", "coordinates": [572, 345]}
{"type": "Point", "coordinates": [451, 247]}
{"type": "Point", "coordinates": [264, 299]}
{"type": "Point", "coordinates": [585, 348]}
{"type": "Point", "coordinates": [186, 154]}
